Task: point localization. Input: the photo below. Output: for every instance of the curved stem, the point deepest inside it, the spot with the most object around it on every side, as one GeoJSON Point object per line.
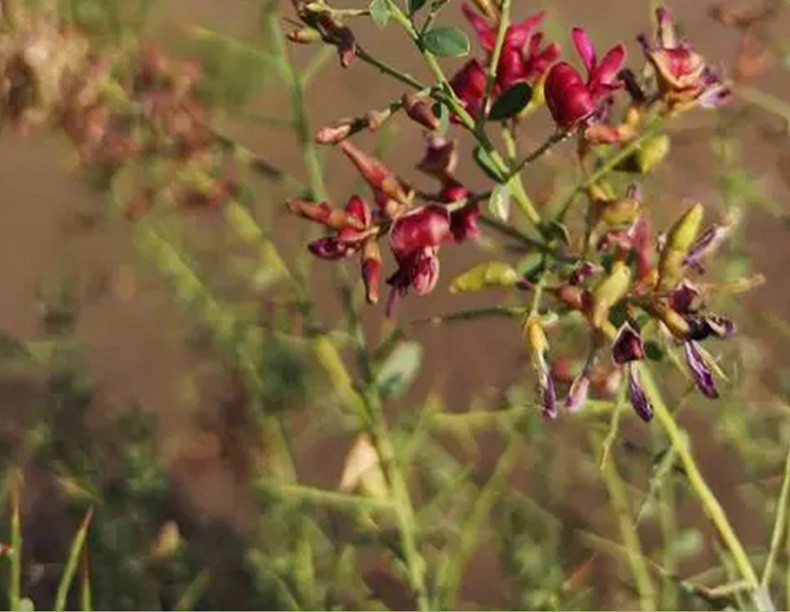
{"type": "Point", "coordinates": [713, 509]}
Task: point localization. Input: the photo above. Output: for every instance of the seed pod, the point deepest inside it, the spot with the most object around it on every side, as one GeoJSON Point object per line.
{"type": "Point", "coordinates": [678, 241]}
{"type": "Point", "coordinates": [610, 291]}
{"type": "Point", "coordinates": [495, 273]}
{"type": "Point", "coordinates": [672, 319]}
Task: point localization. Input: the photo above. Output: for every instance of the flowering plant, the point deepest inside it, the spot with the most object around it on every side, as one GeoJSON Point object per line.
{"type": "Point", "coordinates": [604, 288]}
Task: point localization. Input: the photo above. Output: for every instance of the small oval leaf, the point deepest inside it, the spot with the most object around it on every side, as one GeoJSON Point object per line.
{"type": "Point", "coordinates": [379, 12]}
{"type": "Point", "coordinates": [499, 202]}
{"type": "Point", "coordinates": [416, 5]}
{"type": "Point", "coordinates": [511, 103]}
{"type": "Point", "coordinates": [447, 41]}
{"type": "Point", "coordinates": [486, 164]}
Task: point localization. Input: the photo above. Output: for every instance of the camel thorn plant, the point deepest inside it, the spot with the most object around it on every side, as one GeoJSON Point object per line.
{"type": "Point", "coordinates": [598, 260]}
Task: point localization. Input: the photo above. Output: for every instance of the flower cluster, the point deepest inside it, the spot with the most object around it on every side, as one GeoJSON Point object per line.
{"type": "Point", "coordinates": [414, 233]}
{"type": "Point", "coordinates": [646, 286]}
{"type": "Point", "coordinates": [625, 282]}
{"type": "Point", "coordinates": [523, 57]}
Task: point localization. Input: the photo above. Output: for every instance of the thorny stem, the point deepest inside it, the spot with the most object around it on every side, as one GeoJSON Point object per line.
{"type": "Point", "coordinates": [760, 597]}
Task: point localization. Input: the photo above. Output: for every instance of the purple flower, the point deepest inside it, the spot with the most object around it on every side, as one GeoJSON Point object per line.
{"type": "Point", "coordinates": [627, 345]}
{"type": "Point", "coordinates": [700, 371]}
{"type": "Point", "coordinates": [637, 397]}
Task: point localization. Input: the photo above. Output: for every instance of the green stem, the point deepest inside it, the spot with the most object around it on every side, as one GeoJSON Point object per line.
{"type": "Point", "coordinates": [385, 68]}
{"type": "Point", "coordinates": [323, 497]}
{"type": "Point", "coordinates": [628, 532]}
{"type": "Point", "coordinates": [315, 173]}
{"type": "Point", "coordinates": [779, 524]}
{"type": "Point", "coordinates": [71, 564]}
{"type": "Point", "coordinates": [467, 121]}
{"type": "Point", "coordinates": [712, 507]}
{"type": "Point", "coordinates": [15, 554]}
{"type": "Point", "coordinates": [493, 64]}
{"type": "Point", "coordinates": [608, 165]}
{"type": "Point", "coordinates": [451, 572]}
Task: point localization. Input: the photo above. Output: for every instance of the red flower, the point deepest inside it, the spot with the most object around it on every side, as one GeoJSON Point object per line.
{"type": "Point", "coordinates": [522, 58]}
{"type": "Point", "coordinates": [414, 240]}
{"type": "Point", "coordinates": [572, 100]}
{"type": "Point", "coordinates": [469, 84]}
{"type": "Point", "coordinates": [349, 224]}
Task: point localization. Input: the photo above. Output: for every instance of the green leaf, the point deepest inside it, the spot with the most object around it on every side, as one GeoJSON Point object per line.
{"type": "Point", "coordinates": [416, 5]}
{"type": "Point", "coordinates": [511, 103]}
{"type": "Point", "coordinates": [447, 41]}
{"type": "Point", "coordinates": [399, 369]}
{"type": "Point", "coordinates": [653, 350]}
{"type": "Point", "coordinates": [530, 264]}
{"type": "Point", "coordinates": [486, 164]}
{"type": "Point", "coordinates": [379, 12]}
{"type": "Point", "coordinates": [499, 202]}
{"type": "Point", "coordinates": [441, 112]}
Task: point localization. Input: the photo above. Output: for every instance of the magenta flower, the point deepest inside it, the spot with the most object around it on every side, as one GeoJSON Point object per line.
{"type": "Point", "coordinates": [523, 58]}
{"type": "Point", "coordinates": [349, 225]}
{"type": "Point", "coordinates": [414, 240]}
{"type": "Point", "coordinates": [469, 84]}
{"type": "Point", "coordinates": [570, 99]}
{"type": "Point", "coordinates": [682, 75]}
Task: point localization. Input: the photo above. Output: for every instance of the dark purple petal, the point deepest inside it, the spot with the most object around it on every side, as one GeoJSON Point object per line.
{"type": "Point", "coordinates": [684, 298]}
{"type": "Point", "coordinates": [700, 371]}
{"type": "Point", "coordinates": [463, 222]}
{"type": "Point", "coordinates": [705, 326]}
{"type": "Point", "coordinates": [330, 248]}
{"type": "Point", "coordinates": [637, 397]}
{"type": "Point", "coordinates": [627, 345]}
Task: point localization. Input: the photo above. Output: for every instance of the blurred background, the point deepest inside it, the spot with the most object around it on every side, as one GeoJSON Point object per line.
{"type": "Point", "coordinates": [113, 393]}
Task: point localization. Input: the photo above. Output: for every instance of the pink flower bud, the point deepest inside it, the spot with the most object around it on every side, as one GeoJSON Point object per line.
{"type": "Point", "coordinates": [469, 84]}
{"type": "Point", "coordinates": [463, 222]}
{"type": "Point", "coordinates": [567, 97]}
{"type": "Point", "coordinates": [380, 178]}
{"type": "Point", "coordinates": [419, 110]}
